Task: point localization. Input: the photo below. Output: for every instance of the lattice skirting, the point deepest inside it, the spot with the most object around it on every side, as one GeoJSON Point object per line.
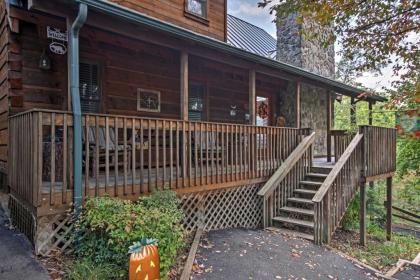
{"type": "Point", "coordinates": [22, 218]}
{"type": "Point", "coordinates": [219, 209]}
{"type": "Point", "coordinates": [225, 208]}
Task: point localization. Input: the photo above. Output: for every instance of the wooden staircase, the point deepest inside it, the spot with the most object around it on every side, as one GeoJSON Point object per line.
{"type": "Point", "coordinates": [297, 216]}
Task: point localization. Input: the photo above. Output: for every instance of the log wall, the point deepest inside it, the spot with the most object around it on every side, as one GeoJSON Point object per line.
{"type": "Point", "coordinates": [173, 11]}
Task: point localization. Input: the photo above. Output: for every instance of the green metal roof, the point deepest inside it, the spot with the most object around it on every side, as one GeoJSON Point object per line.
{"type": "Point", "coordinates": [137, 17]}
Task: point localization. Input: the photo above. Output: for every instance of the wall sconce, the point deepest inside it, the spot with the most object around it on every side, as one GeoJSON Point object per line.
{"type": "Point", "coordinates": [339, 98]}
{"type": "Point", "coordinates": [233, 110]}
{"type": "Point", "coordinates": [44, 61]}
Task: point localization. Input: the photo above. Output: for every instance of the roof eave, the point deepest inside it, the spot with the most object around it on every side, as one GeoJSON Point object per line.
{"type": "Point", "coordinates": [183, 33]}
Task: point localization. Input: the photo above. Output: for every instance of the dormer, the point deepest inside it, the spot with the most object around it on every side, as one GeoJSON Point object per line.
{"type": "Point", "coordinates": [207, 17]}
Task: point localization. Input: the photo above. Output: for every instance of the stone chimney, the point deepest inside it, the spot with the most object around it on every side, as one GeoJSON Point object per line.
{"type": "Point", "coordinates": [294, 48]}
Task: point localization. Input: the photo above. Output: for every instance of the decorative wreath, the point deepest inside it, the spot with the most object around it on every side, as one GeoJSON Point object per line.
{"type": "Point", "coordinates": [262, 110]}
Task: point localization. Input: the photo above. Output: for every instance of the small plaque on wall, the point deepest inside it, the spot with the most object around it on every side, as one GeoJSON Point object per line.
{"type": "Point", "coordinates": [148, 100]}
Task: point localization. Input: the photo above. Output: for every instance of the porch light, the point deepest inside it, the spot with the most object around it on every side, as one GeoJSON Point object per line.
{"type": "Point", "coordinates": [233, 110]}
{"type": "Point", "coordinates": [339, 98]}
{"type": "Point", "coordinates": [44, 61]}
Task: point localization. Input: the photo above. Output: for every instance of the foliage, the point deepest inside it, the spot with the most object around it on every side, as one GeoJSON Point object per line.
{"type": "Point", "coordinates": [407, 195]}
{"type": "Point", "coordinates": [108, 226]}
{"type": "Point", "coordinates": [375, 210]}
{"type": "Point", "coordinates": [86, 269]}
{"type": "Point", "coordinates": [408, 156]}
{"type": "Point", "coordinates": [371, 34]}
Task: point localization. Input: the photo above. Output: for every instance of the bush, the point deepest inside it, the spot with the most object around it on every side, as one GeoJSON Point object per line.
{"type": "Point", "coordinates": [108, 226]}
{"type": "Point", "coordinates": [408, 156]}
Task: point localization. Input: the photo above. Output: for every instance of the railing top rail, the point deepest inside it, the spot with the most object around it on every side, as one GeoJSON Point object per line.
{"type": "Point", "coordinates": [376, 126]}
{"type": "Point", "coordinates": [338, 132]}
{"type": "Point", "coordinates": [337, 168]}
{"type": "Point", "coordinates": [287, 165]}
{"type": "Point", "coordinates": [150, 118]}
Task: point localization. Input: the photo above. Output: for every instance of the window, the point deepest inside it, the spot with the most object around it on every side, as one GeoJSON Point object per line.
{"type": "Point", "coordinates": [196, 8]}
{"type": "Point", "coordinates": [90, 92]}
{"type": "Point", "coordinates": [148, 100]}
{"type": "Point", "coordinates": [196, 106]}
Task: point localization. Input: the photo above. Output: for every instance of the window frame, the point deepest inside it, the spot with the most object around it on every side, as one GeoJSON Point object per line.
{"type": "Point", "coordinates": [197, 17]}
{"type": "Point", "coordinates": [99, 64]}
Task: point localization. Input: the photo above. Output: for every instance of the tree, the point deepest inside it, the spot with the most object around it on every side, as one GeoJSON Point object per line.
{"type": "Point", "coordinates": [371, 34]}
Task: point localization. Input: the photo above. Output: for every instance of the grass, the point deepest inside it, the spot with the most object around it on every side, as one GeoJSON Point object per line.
{"type": "Point", "coordinates": [378, 252]}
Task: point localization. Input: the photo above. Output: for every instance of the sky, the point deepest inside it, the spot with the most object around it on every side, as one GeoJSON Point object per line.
{"type": "Point", "coordinates": [249, 11]}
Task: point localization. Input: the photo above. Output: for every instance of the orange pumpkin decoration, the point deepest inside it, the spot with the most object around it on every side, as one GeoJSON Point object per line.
{"type": "Point", "coordinates": [144, 261]}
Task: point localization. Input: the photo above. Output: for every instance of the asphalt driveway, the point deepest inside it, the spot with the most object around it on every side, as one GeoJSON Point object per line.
{"type": "Point", "coordinates": [262, 254]}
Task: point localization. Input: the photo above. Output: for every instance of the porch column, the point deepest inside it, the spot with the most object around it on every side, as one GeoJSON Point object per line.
{"type": "Point", "coordinates": [370, 113]}
{"type": "Point", "coordinates": [388, 208]}
{"type": "Point", "coordinates": [184, 86]}
{"type": "Point", "coordinates": [298, 104]}
{"type": "Point", "coordinates": [363, 213]}
{"type": "Point", "coordinates": [353, 111]}
{"type": "Point", "coordinates": [252, 97]}
{"type": "Point", "coordinates": [329, 113]}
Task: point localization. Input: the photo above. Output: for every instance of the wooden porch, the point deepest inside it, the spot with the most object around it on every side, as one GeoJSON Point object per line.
{"type": "Point", "coordinates": [130, 156]}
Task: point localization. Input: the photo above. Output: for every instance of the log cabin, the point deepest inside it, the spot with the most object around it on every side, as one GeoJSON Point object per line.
{"type": "Point", "coordinates": [126, 97]}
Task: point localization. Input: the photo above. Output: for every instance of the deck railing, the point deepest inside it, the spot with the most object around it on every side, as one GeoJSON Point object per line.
{"type": "Point", "coordinates": [336, 192]}
{"type": "Point", "coordinates": [380, 145]}
{"type": "Point", "coordinates": [341, 139]}
{"type": "Point", "coordinates": [128, 156]}
{"type": "Point", "coordinates": [285, 180]}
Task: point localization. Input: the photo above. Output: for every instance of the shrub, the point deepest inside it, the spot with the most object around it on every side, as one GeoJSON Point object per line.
{"type": "Point", "coordinates": [108, 226]}
{"type": "Point", "coordinates": [87, 270]}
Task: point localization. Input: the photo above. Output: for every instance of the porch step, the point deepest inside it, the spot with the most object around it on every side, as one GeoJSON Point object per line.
{"type": "Point", "coordinates": [319, 169]}
{"type": "Point", "coordinates": [310, 184]}
{"type": "Point", "coordinates": [292, 233]}
{"type": "Point", "coordinates": [300, 200]}
{"type": "Point", "coordinates": [317, 175]}
{"type": "Point", "coordinates": [305, 191]}
{"type": "Point", "coordinates": [296, 222]}
{"type": "Point", "coordinates": [296, 210]}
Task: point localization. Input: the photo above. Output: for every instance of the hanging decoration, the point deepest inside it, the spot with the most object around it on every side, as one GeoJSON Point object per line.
{"type": "Point", "coordinates": [59, 40]}
{"type": "Point", "coordinates": [44, 61]}
{"type": "Point", "coordinates": [262, 109]}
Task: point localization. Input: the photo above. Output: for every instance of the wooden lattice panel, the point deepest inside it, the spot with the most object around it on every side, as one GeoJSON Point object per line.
{"type": "Point", "coordinates": [54, 233]}
{"type": "Point", "coordinates": [22, 218]}
{"type": "Point", "coordinates": [228, 208]}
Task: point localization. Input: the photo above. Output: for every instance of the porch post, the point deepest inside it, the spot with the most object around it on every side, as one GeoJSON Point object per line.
{"type": "Point", "coordinates": [371, 184]}
{"type": "Point", "coordinates": [329, 126]}
{"type": "Point", "coordinates": [353, 111]}
{"type": "Point", "coordinates": [363, 213]}
{"type": "Point", "coordinates": [184, 86]}
{"type": "Point", "coordinates": [298, 104]}
{"type": "Point", "coordinates": [388, 208]}
{"type": "Point", "coordinates": [252, 97]}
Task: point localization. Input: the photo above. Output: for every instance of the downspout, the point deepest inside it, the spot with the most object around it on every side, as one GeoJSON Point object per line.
{"type": "Point", "coordinates": [75, 101]}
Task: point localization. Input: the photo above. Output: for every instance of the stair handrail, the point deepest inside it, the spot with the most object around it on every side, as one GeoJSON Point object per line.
{"type": "Point", "coordinates": [336, 169]}
{"type": "Point", "coordinates": [286, 166]}
{"type": "Point", "coordinates": [296, 165]}
{"type": "Point", "coordinates": [334, 196]}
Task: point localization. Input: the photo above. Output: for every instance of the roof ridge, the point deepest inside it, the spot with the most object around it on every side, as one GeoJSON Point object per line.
{"type": "Point", "coordinates": [247, 22]}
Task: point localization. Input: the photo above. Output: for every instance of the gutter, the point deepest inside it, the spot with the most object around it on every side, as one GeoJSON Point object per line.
{"type": "Point", "coordinates": [76, 108]}
{"type": "Point", "coordinates": [183, 33]}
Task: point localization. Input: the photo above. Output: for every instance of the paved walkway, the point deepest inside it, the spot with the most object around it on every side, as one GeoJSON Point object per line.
{"type": "Point", "coordinates": [248, 254]}
{"type": "Point", "coordinates": [16, 259]}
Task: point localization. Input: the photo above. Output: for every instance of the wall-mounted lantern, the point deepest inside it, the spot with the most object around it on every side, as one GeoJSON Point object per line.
{"type": "Point", "coordinates": [233, 110]}
{"type": "Point", "coordinates": [44, 61]}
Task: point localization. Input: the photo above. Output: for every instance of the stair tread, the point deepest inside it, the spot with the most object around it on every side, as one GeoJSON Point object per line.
{"type": "Point", "coordinates": [292, 233]}
{"type": "Point", "coordinates": [298, 210]}
{"type": "Point", "coordinates": [305, 191]}
{"type": "Point", "coordinates": [298, 199]}
{"type": "Point", "coordinates": [306, 182]}
{"type": "Point", "coordinates": [298, 222]}
{"type": "Point", "coordinates": [319, 175]}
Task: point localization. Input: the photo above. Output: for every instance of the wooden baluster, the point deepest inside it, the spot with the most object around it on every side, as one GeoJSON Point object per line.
{"type": "Point", "coordinates": [177, 154]}
{"type": "Point", "coordinates": [207, 153]}
{"type": "Point", "coordinates": [201, 155]}
{"type": "Point", "coordinates": [149, 154]}
{"type": "Point", "coordinates": [64, 151]}
{"type": "Point", "coordinates": [143, 186]}
{"type": "Point", "coordinates": [116, 155]}
{"type": "Point", "coordinates": [184, 155]}
{"type": "Point", "coordinates": [157, 155]}
{"type": "Point", "coordinates": [133, 155]}
{"type": "Point", "coordinates": [171, 155]}
{"type": "Point", "coordinates": [107, 154]}
{"type": "Point", "coordinates": [164, 165]}
{"type": "Point", "coordinates": [97, 163]}
{"type": "Point", "coordinates": [189, 151]}
{"type": "Point", "coordinates": [52, 159]}
{"type": "Point", "coordinates": [125, 156]}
